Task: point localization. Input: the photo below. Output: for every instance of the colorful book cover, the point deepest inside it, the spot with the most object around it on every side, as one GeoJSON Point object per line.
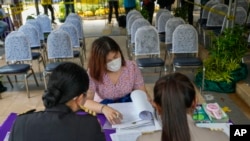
{"type": "Point", "coordinates": [215, 113]}
{"type": "Point", "coordinates": [200, 116]}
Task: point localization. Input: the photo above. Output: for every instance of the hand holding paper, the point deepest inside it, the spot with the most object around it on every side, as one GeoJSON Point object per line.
{"type": "Point", "coordinates": [136, 113]}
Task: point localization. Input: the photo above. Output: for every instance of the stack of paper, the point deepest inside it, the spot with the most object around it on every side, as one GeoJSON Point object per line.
{"type": "Point", "coordinates": [138, 117]}
{"type": "Point", "coordinates": [224, 127]}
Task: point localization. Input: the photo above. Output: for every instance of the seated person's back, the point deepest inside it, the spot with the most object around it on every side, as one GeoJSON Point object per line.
{"type": "Point", "coordinates": [175, 100]}
{"type": "Point", "coordinates": [66, 94]}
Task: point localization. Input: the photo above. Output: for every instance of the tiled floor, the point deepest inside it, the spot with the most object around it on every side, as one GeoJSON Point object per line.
{"type": "Point", "coordinates": [16, 100]}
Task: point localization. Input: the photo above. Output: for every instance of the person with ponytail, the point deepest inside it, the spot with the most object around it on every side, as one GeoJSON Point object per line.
{"type": "Point", "coordinates": [65, 96]}
{"type": "Point", "coordinates": [175, 100]}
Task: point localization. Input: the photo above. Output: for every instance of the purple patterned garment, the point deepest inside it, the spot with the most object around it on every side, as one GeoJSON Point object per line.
{"type": "Point", "coordinates": [129, 80]}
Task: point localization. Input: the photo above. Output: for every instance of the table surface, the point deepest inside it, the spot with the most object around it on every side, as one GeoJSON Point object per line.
{"type": "Point", "coordinates": [7, 124]}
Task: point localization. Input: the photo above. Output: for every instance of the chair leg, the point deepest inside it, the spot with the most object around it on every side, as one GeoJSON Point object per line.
{"type": "Point", "coordinates": [43, 60]}
{"type": "Point", "coordinates": [165, 57]}
{"type": "Point", "coordinates": [169, 61]}
{"type": "Point", "coordinates": [39, 69]}
{"type": "Point", "coordinates": [10, 81]}
{"type": "Point", "coordinates": [83, 46]}
{"type": "Point", "coordinates": [81, 60]}
{"type": "Point", "coordinates": [26, 84]}
{"type": "Point", "coordinates": [44, 79]}
{"type": "Point", "coordinates": [174, 69]}
{"type": "Point", "coordinates": [16, 78]}
{"type": "Point", "coordinates": [204, 38]}
{"type": "Point", "coordinates": [32, 72]}
{"type": "Point", "coordinates": [203, 79]}
{"type": "Point", "coordinates": [161, 70]}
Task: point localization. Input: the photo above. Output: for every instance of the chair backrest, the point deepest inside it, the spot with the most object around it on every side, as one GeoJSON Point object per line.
{"type": "Point", "coordinates": [131, 20]}
{"type": "Point", "coordinates": [130, 13]}
{"type": "Point", "coordinates": [207, 7]}
{"type": "Point", "coordinates": [17, 47]}
{"type": "Point", "coordinates": [185, 39]}
{"type": "Point", "coordinates": [164, 17]}
{"type": "Point", "coordinates": [32, 34]}
{"type": "Point", "coordinates": [74, 16]}
{"type": "Point", "coordinates": [170, 26]}
{"type": "Point", "coordinates": [37, 26]}
{"type": "Point", "coordinates": [214, 18]}
{"type": "Point", "coordinates": [147, 41]}
{"type": "Point", "coordinates": [59, 45]}
{"type": "Point", "coordinates": [158, 15]}
{"type": "Point", "coordinates": [137, 24]}
{"type": "Point", "coordinates": [72, 31]}
{"type": "Point", "coordinates": [78, 25]}
{"type": "Point", "coordinates": [45, 23]}
{"type": "Point", "coordinates": [77, 17]}
{"type": "Point", "coordinates": [242, 3]}
{"type": "Point", "coordinates": [240, 18]}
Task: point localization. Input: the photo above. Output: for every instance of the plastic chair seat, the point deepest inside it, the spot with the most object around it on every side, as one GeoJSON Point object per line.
{"type": "Point", "coordinates": [150, 62]}
{"type": "Point", "coordinates": [202, 22]}
{"type": "Point", "coordinates": [76, 53]}
{"type": "Point", "coordinates": [162, 36]}
{"type": "Point", "coordinates": [14, 68]}
{"type": "Point", "coordinates": [169, 47]}
{"type": "Point", "coordinates": [36, 47]}
{"type": "Point", "coordinates": [35, 55]}
{"type": "Point", "coordinates": [51, 66]}
{"type": "Point", "coordinates": [187, 61]}
{"type": "Point", "coordinates": [212, 27]}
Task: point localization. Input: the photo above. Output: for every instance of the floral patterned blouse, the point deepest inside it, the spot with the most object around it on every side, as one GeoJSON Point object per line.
{"type": "Point", "coordinates": [129, 80]}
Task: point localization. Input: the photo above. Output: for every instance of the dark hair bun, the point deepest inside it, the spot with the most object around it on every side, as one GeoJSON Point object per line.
{"type": "Point", "coordinates": [51, 97]}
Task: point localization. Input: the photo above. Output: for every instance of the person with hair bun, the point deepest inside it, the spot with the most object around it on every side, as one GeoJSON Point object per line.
{"type": "Point", "coordinates": [66, 94]}
{"type": "Point", "coordinates": [175, 101]}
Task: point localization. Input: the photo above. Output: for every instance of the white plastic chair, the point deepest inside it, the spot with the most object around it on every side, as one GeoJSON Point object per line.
{"type": "Point", "coordinates": [147, 48]}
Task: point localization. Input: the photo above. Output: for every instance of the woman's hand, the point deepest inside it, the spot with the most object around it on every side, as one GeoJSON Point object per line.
{"type": "Point", "coordinates": [112, 115]}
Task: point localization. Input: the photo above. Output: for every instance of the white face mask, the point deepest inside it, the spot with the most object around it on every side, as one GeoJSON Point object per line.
{"type": "Point", "coordinates": [114, 65]}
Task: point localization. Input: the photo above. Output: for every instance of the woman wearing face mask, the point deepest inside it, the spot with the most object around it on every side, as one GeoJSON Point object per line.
{"type": "Point", "coordinates": [175, 100]}
{"type": "Point", "coordinates": [112, 78]}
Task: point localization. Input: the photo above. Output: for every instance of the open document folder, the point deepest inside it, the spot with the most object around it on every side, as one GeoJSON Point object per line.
{"type": "Point", "coordinates": [136, 113]}
{"type": "Point", "coordinates": [138, 118]}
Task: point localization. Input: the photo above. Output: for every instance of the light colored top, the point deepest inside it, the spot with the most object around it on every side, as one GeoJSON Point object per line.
{"type": "Point", "coordinates": [129, 80]}
{"type": "Point", "coordinates": [197, 134]}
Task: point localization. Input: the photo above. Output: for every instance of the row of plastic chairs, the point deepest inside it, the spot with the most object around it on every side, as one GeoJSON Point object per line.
{"type": "Point", "coordinates": [66, 42]}
{"type": "Point", "coordinates": [185, 40]}
{"type": "Point", "coordinates": [58, 46]}
{"type": "Point", "coordinates": [147, 42]}
{"type": "Point", "coordinates": [214, 16]}
{"type": "Point", "coordinates": [181, 42]}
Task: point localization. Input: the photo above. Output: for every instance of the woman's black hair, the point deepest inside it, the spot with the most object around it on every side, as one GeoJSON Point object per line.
{"type": "Point", "coordinates": [174, 93]}
{"type": "Point", "coordinates": [67, 81]}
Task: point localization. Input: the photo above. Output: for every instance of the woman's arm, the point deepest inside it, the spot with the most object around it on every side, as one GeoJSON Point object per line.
{"type": "Point", "coordinates": [112, 115]}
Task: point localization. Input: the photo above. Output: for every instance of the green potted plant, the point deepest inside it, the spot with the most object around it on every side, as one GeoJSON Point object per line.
{"type": "Point", "coordinates": [224, 67]}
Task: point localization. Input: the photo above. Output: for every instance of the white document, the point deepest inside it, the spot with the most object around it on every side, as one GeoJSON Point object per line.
{"type": "Point", "coordinates": [137, 113]}
{"type": "Point", "coordinates": [224, 127]}
{"type": "Point", "coordinates": [7, 136]}
{"type": "Point", "coordinates": [125, 136]}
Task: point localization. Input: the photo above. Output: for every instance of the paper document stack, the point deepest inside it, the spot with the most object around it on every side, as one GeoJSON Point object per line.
{"type": "Point", "coordinates": [138, 118]}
